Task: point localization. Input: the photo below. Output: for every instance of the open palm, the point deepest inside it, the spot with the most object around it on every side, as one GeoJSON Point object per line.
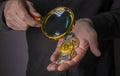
{"type": "Point", "coordinates": [87, 37]}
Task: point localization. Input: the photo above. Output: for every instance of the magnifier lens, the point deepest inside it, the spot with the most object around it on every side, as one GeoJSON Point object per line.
{"type": "Point", "coordinates": [57, 23]}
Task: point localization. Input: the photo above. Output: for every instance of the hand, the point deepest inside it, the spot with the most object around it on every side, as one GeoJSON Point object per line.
{"type": "Point", "coordinates": [87, 37]}
{"type": "Point", "coordinates": [18, 17]}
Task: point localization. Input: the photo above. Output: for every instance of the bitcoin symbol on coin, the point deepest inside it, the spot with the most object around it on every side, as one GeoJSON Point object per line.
{"type": "Point", "coordinates": [75, 41]}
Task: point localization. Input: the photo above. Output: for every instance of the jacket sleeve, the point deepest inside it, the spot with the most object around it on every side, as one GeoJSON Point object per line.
{"type": "Point", "coordinates": [3, 26]}
{"type": "Point", "coordinates": [107, 24]}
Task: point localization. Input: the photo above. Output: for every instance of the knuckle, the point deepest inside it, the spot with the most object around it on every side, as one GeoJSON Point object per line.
{"type": "Point", "coordinates": [32, 23]}
{"type": "Point", "coordinates": [8, 19]}
{"type": "Point", "coordinates": [13, 28]}
{"type": "Point", "coordinates": [9, 25]}
{"type": "Point", "coordinates": [23, 17]}
{"type": "Point", "coordinates": [23, 28]}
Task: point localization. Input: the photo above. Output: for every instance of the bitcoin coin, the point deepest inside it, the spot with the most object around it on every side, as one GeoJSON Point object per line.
{"type": "Point", "coordinates": [67, 47]}
{"type": "Point", "coordinates": [75, 41]}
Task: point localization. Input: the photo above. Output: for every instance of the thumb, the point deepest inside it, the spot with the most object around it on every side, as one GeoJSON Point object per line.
{"type": "Point", "coordinates": [93, 43]}
{"type": "Point", "coordinates": [32, 10]}
{"type": "Point", "coordinates": [36, 16]}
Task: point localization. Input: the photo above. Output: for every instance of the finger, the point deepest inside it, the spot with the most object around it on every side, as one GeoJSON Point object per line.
{"type": "Point", "coordinates": [36, 16]}
{"type": "Point", "coordinates": [93, 43]}
{"type": "Point", "coordinates": [80, 53]}
{"type": "Point", "coordinates": [63, 67]}
{"type": "Point", "coordinates": [26, 17]}
{"type": "Point", "coordinates": [30, 20]}
{"type": "Point", "coordinates": [13, 26]}
{"type": "Point", "coordinates": [10, 25]}
{"type": "Point", "coordinates": [59, 42]}
{"type": "Point", "coordinates": [57, 53]}
{"type": "Point", "coordinates": [83, 44]}
{"type": "Point", "coordinates": [21, 12]}
{"type": "Point", "coordinates": [52, 67]}
{"type": "Point", "coordinates": [32, 10]}
{"type": "Point", "coordinates": [18, 23]}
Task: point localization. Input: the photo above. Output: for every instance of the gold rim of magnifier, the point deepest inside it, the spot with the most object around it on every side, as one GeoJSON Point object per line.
{"type": "Point", "coordinates": [51, 13]}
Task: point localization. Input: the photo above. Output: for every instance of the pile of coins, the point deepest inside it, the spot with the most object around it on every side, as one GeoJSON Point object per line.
{"type": "Point", "coordinates": [70, 43]}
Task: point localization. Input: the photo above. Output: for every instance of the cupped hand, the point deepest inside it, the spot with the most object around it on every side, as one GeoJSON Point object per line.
{"type": "Point", "coordinates": [18, 17]}
{"type": "Point", "coordinates": [88, 38]}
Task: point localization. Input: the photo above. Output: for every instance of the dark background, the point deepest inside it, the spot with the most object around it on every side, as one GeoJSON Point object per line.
{"type": "Point", "coordinates": [13, 53]}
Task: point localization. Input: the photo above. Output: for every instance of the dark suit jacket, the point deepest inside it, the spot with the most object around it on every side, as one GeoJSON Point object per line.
{"type": "Point", "coordinates": [106, 19]}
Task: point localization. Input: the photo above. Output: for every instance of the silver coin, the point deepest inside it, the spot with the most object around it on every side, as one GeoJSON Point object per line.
{"type": "Point", "coordinates": [70, 35]}
{"type": "Point", "coordinates": [63, 57]}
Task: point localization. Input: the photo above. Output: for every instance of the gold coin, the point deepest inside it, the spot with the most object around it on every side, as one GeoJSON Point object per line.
{"type": "Point", "coordinates": [75, 41]}
{"type": "Point", "coordinates": [67, 47]}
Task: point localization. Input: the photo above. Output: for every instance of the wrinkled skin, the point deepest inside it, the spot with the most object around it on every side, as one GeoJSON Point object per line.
{"type": "Point", "coordinates": [18, 17]}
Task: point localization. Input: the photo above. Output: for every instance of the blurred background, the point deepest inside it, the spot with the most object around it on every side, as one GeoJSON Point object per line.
{"type": "Point", "coordinates": [13, 53]}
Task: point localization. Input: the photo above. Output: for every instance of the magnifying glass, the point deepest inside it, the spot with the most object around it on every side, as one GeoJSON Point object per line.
{"type": "Point", "coordinates": [57, 24]}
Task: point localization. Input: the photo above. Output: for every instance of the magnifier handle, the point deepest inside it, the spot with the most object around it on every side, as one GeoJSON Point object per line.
{"type": "Point", "coordinates": [36, 18]}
